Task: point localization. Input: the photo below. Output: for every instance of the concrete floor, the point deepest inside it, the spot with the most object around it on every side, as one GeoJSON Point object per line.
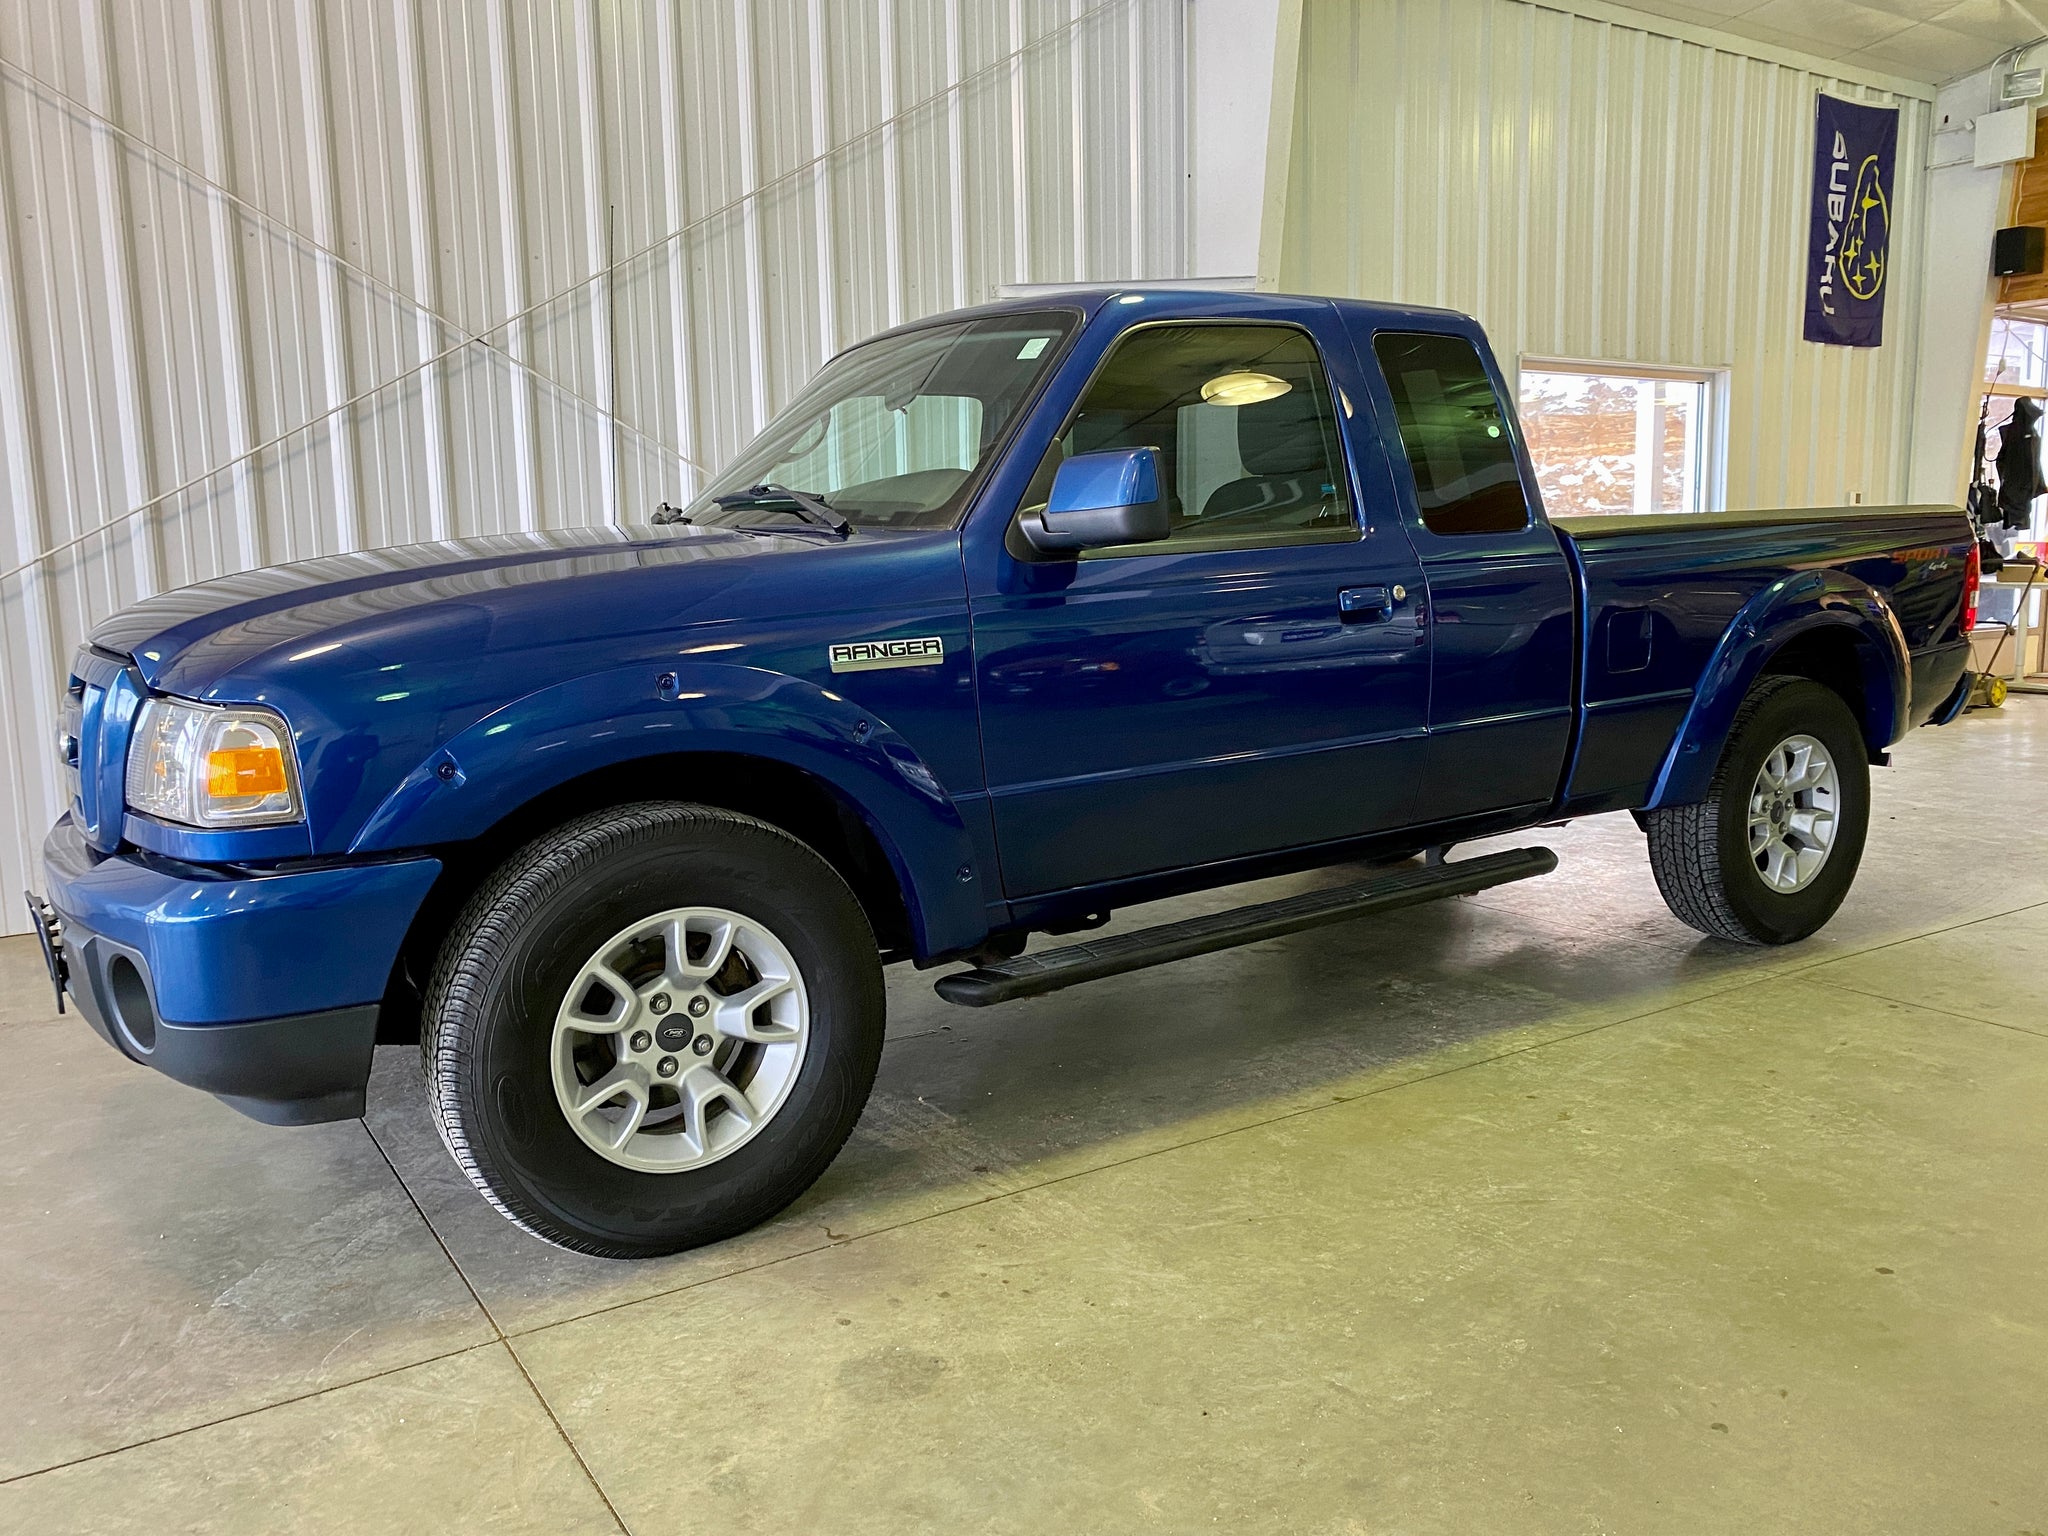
{"type": "Point", "coordinates": [1529, 1212]}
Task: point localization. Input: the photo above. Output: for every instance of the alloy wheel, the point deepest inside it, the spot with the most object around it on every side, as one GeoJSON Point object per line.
{"type": "Point", "coordinates": [679, 1039]}
{"type": "Point", "coordinates": [1793, 809]}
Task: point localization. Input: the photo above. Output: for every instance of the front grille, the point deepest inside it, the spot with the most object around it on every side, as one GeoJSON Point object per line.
{"type": "Point", "coordinates": [92, 742]}
{"type": "Point", "coordinates": [70, 720]}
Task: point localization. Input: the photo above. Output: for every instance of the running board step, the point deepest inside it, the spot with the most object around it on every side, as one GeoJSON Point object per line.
{"type": "Point", "coordinates": [1035, 975]}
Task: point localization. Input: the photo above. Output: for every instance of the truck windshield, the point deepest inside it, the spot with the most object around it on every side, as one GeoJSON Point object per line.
{"type": "Point", "coordinates": [894, 433]}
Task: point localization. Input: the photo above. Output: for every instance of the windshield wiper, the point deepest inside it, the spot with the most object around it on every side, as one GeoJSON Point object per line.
{"type": "Point", "coordinates": [780, 498]}
{"type": "Point", "coordinates": [666, 514]}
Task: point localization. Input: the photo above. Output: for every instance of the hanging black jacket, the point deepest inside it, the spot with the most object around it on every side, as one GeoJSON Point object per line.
{"type": "Point", "coordinates": [2019, 464]}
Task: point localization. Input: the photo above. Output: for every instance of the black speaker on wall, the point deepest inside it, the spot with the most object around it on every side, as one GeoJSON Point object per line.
{"type": "Point", "coordinates": [2021, 250]}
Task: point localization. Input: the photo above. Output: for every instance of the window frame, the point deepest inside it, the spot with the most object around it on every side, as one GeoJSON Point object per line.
{"type": "Point", "coordinates": [1019, 548]}
{"type": "Point", "coordinates": [1711, 476]}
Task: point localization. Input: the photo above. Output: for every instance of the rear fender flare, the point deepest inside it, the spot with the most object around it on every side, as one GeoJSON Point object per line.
{"type": "Point", "coordinates": [1796, 605]}
{"type": "Point", "coordinates": [537, 743]}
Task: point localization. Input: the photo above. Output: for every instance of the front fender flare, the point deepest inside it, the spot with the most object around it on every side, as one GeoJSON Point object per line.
{"type": "Point", "coordinates": [1796, 605]}
{"type": "Point", "coordinates": [537, 743]}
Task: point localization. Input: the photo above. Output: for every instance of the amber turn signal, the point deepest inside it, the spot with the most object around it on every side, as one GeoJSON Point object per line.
{"type": "Point", "coordinates": [233, 771]}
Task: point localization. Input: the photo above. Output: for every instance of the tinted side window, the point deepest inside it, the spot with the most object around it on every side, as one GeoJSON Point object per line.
{"type": "Point", "coordinates": [1242, 418]}
{"type": "Point", "coordinates": [1455, 432]}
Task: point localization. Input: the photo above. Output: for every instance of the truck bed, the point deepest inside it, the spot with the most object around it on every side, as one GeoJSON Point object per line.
{"type": "Point", "coordinates": [1661, 596]}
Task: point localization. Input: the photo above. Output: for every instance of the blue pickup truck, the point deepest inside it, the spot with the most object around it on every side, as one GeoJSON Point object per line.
{"type": "Point", "coordinates": [1015, 617]}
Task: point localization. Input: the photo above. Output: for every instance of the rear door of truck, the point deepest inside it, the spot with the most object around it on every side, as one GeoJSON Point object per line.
{"type": "Point", "coordinates": [1502, 611]}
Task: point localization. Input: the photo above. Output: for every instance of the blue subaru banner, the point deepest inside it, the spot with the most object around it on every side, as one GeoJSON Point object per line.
{"type": "Point", "coordinates": [1848, 246]}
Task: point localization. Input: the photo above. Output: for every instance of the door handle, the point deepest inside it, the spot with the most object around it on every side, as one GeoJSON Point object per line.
{"type": "Point", "coordinates": [1369, 605]}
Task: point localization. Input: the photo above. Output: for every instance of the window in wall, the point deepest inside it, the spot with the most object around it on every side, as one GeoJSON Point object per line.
{"type": "Point", "coordinates": [2018, 353]}
{"type": "Point", "coordinates": [1615, 438]}
{"type": "Point", "coordinates": [1455, 432]}
{"type": "Point", "coordinates": [2016, 362]}
{"type": "Point", "coordinates": [1247, 437]}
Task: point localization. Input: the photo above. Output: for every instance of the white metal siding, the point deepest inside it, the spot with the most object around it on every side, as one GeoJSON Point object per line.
{"type": "Point", "coordinates": [1593, 189]}
{"type": "Point", "coordinates": [304, 276]}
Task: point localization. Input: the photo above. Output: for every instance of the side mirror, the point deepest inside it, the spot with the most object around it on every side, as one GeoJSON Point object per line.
{"type": "Point", "coordinates": [1100, 499]}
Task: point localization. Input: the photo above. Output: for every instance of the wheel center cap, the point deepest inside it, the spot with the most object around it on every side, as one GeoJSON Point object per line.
{"type": "Point", "coordinates": [673, 1034]}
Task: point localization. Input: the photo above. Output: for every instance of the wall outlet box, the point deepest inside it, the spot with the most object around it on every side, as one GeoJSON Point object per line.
{"type": "Point", "coordinates": [2005, 136]}
{"type": "Point", "coordinates": [2022, 85]}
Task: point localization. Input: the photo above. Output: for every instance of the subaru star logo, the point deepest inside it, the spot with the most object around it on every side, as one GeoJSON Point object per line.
{"type": "Point", "coordinates": [1867, 236]}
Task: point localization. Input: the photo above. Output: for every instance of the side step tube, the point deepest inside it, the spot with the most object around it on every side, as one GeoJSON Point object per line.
{"type": "Point", "coordinates": [1034, 975]}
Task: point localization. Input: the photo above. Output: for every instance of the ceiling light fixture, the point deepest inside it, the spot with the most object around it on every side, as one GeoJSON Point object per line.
{"type": "Point", "coordinates": [1244, 388]}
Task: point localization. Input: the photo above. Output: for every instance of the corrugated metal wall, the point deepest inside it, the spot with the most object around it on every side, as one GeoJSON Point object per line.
{"type": "Point", "coordinates": [302, 276]}
{"type": "Point", "coordinates": [1593, 189]}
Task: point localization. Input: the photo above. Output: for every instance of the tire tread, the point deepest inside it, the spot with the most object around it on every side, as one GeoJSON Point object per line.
{"type": "Point", "coordinates": [1685, 840]}
{"type": "Point", "coordinates": [455, 1004]}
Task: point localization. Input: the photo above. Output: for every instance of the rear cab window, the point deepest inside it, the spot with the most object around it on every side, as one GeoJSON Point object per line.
{"type": "Point", "coordinates": [1242, 416]}
{"type": "Point", "coordinates": [1455, 432]}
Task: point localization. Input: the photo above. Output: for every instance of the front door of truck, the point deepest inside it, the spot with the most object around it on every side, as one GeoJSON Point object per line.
{"type": "Point", "coordinates": [1502, 611]}
{"type": "Point", "coordinates": [1256, 681]}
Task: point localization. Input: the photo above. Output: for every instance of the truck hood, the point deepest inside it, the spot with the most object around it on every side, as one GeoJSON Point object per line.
{"type": "Point", "coordinates": [186, 640]}
{"type": "Point", "coordinates": [377, 659]}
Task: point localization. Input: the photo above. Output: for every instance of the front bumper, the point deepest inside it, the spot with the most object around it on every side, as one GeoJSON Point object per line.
{"type": "Point", "coordinates": [262, 988]}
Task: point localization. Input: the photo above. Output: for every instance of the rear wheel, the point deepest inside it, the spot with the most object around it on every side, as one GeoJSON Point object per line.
{"type": "Point", "coordinates": [654, 1028]}
{"type": "Point", "coordinates": [1768, 856]}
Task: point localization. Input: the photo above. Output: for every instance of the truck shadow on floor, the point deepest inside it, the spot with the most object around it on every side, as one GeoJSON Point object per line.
{"type": "Point", "coordinates": [1237, 1036]}
{"type": "Point", "coordinates": [971, 1104]}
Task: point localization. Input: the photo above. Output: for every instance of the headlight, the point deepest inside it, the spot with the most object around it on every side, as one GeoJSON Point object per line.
{"type": "Point", "coordinates": [207, 766]}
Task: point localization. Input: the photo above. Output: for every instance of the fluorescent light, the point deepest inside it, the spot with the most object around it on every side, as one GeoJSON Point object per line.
{"type": "Point", "coordinates": [1244, 388]}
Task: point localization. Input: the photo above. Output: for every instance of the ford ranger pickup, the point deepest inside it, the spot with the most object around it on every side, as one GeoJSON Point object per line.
{"type": "Point", "coordinates": [1015, 617]}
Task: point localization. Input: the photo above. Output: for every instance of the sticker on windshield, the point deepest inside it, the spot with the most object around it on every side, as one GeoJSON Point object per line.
{"type": "Point", "coordinates": [872, 655]}
{"type": "Point", "coordinates": [1032, 348]}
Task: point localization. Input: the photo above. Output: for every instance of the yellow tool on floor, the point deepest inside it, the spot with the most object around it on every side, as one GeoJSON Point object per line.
{"type": "Point", "coordinates": [1987, 691]}
{"type": "Point", "coordinates": [1989, 688]}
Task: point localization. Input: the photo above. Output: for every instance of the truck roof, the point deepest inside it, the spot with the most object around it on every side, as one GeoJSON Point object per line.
{"type": "Point", "coordinates": [1182, 298]}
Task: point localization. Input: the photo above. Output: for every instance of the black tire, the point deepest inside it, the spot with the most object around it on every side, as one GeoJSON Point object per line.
{"type": "Point", "coordinates": [507, 965]}
{"type": "Point", "coordinates": [1700, 852]}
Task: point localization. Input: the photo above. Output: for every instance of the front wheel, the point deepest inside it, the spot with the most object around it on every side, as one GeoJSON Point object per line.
{"type": "Point", "coordinates": [1770, 853]}
{"type": "Point", "coordinates": [653, 1028]}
